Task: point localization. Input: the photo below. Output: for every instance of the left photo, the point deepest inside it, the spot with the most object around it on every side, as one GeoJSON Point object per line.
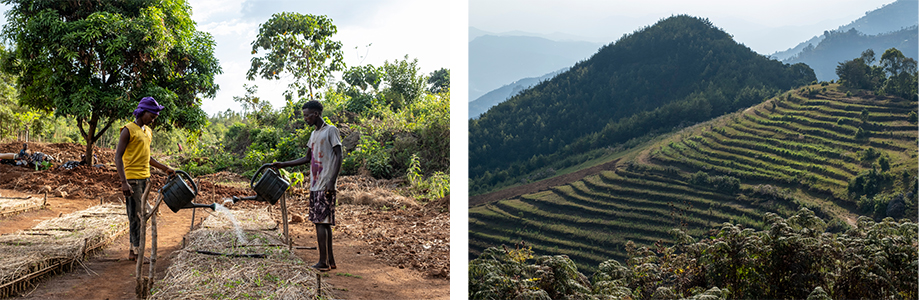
{"type": "Point", "coordinates": [208, 149]}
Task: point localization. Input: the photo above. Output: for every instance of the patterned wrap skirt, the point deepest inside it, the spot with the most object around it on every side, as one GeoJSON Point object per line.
{"type": "Point", "coordinates": [322, 207]}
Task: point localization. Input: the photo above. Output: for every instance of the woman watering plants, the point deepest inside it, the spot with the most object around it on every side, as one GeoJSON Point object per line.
{"type": "Point", "coordinates": [133, 161]}
{"type": "Point", "coordinates": [324, 156]}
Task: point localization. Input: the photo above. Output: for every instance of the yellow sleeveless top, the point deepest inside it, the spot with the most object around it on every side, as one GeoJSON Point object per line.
{"type": "Point", "coordinates": [136, 157]}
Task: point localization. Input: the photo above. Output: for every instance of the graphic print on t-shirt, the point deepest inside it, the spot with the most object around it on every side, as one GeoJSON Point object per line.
{"type": "Point", "coordinates": [316, 165]}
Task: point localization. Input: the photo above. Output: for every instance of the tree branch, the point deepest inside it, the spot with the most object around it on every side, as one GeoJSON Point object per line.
{"type": "Point", "coordinates": [80, 125]}
{"type": "Point", "coordinates": [111, 120]}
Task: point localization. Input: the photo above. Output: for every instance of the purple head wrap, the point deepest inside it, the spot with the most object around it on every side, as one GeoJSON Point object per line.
{"type": "Point", "coordinates": [147, 104]}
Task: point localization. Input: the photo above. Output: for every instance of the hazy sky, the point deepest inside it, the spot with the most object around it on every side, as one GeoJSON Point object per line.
{"type": "Point", "coordinates": [392, 28]}
{"type": "Point", "coordinates": [764, 26]}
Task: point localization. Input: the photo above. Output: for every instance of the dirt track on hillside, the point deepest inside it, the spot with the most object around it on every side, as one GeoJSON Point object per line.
{"type": "Point", "coordinates": [541, 185]}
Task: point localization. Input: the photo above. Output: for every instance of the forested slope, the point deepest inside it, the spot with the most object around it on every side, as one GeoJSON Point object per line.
{"type": "Point", "coordinates": [680, 71]}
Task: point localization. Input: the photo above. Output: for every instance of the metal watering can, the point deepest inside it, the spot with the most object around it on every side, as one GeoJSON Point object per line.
{"type": "Point", "coordinates": [178, 195]}
{"type": "Point", "coordinates": [269, 187]}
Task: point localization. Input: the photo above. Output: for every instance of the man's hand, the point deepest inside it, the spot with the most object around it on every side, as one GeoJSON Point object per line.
{"type": "Point", "coordinates": [275, 165]}
{"type": "Point", "coordinates": [126, 189]}
{"type": "Point", "coordinates": [170, 171]}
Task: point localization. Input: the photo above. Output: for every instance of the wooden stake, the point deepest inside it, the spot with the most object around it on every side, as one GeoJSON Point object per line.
{"type": "Point", "coordinates": [140, 288]}
{"type": "Point", "coordinates": [318, 285]}
{"type": "Point", "coordinates": [192, 226]}
{"type": "Point", "coordinates": [284, 216]}
{"type": "Point", "coordinates": [152, 245]}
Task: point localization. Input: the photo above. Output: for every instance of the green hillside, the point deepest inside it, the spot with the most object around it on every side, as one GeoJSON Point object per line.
{"type": "Point", "coordinates": [839, 153]}
{"type": "Point", "coordinates": [680, 71]}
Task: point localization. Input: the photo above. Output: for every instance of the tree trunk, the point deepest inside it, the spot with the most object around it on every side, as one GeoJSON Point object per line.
{"type": "Point", "coordinates": [90, 137]}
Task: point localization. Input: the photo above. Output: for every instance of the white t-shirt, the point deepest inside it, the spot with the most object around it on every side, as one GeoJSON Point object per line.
{"type": "Point", "coordinates": [321, 143]}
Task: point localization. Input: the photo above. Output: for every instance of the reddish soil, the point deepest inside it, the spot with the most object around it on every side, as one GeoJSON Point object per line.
{"type": "Point", "coordinates": [382, 252]}
{"type": "Point", "coordinates": [541, 185]}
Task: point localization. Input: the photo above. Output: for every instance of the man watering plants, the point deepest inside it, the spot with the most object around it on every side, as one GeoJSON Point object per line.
{"type": "Point", "coordinates": [133, 161]}
{"type": "Point", "coordinates": [324, 156]}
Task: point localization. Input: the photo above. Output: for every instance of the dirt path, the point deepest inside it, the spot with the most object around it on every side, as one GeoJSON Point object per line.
{"type": "Point", "coordinates": [541, 185]}
{"type": "Point", "coordinates": [361, 276]}
{"type": "Point", "coordinates": [109, 275]}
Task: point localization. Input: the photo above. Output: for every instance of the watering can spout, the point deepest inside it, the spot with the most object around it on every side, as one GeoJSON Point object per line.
{"type": "Point", "coordinates": [237, 199]}
{"type": "Point", "coordinates": [212, 206]}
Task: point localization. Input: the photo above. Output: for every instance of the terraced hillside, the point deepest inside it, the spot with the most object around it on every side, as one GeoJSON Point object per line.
{"type": "Point", "coordinates": [802, 148]}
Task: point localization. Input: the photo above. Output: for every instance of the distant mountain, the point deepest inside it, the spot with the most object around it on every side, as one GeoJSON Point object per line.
{"type": "Point", "coordinates": [841, 46]}
{"type": "Point", "coordinates": [892, 17]}
{"type": "Point", "coordinates": [483, 103]}
{"type": "Point", "coordinates": [497, 60]}
{"type": "Point", "coordinates": [475, 32]}
{"type": "Point", "coordinates": [679, 71]}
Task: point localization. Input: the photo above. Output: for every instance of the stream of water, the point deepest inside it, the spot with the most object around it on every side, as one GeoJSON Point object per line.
{"type": "Point", "coordinates": [227, 212]}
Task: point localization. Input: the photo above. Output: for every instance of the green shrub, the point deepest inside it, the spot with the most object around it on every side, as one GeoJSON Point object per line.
{"type": "Point", "coordinates": [434, 187]}
{"type": "Point", "coordinates": [374, 157]}
{"type": "Point", "coordinates": [794, 258]}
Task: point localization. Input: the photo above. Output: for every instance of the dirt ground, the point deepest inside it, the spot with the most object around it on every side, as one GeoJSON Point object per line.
{"type": "Point", "coordinates": [386, 246]}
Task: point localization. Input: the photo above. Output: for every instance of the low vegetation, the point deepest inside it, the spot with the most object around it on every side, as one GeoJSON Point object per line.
{"type": "Point", "coordinates": [791, 258]}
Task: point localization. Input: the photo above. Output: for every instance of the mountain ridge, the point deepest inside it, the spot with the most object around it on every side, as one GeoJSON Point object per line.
{"type": "Point", "coordinates": [681, 69]}
{"type": "Point", "coordinates": [874, 22]}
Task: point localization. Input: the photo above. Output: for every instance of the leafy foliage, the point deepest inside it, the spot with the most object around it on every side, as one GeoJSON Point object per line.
{"type": "Point", "coordinates": [439, 81]}
{"type": "Point", "coordinates": [300, 45]}
{"type": "Point", "coordinates": [93, 62]}
{"type": "Point", "coordinates": [895, 74]}
{"type": "Point", "coordinates": [795, 258]}
{"type": "Point", "coordinates": [379, 140]}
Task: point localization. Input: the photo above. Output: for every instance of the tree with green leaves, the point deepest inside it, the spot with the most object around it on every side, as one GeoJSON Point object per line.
{"type": "Point", "coordinates": [300, 45]}
{"type": "Point", "coordinates": [9, 109]}
{"type": "Point", "coordinates": [364, 77]}
{"type": "Point", "coordinates": [361, 84]}
{"type": "Point", "coordinates": [405, 83]}
{"type": "Point", "coordinates": [854, 73]}
{"type": "Point", "coordinates": [439, 81]}
{"type": "Point", "coordinates": [254, 106]}
{"type": "Point", "coordinates": [93, 62]}
{"type": "Point", "coordinates": [902, 74]}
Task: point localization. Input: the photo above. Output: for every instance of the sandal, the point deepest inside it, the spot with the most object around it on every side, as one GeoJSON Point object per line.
{"type": "Point", "coordinates": [320, 267]}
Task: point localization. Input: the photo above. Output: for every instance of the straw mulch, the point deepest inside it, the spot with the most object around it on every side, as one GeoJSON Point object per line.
{"type": "Point", "coordinates": [15, 206]}
{"type": "Point", "coordinates": [280, 275]}
{"type": "Point", "coordinates": [57, 242]}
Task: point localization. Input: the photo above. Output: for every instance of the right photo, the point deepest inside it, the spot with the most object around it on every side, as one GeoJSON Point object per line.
{"type": "Point", "coordinates": [693, 150]}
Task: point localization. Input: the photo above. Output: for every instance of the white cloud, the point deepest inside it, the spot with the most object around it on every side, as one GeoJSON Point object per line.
{"type": "Point", "coordinates": [204, 10]}
{"type": "Point", "coordinates": [233, 27]}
